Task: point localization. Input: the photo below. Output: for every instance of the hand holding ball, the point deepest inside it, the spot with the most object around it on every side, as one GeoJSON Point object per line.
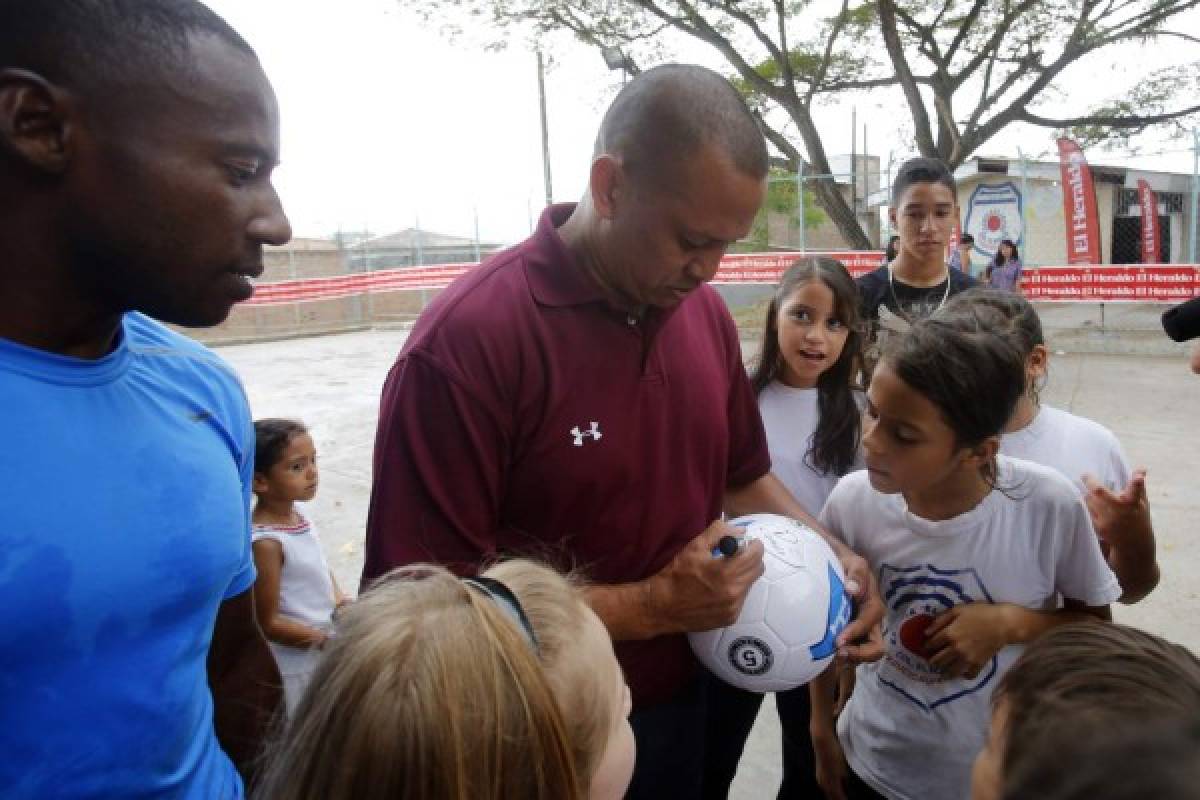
{"type": "Point", "coordinates": [786, 634]}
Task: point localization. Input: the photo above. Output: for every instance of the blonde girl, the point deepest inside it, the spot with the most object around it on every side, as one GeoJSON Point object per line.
{"type": "Point", "coordinates": [452, 689]}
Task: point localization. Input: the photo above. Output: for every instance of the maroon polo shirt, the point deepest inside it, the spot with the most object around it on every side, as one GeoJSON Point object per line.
{"type": "Point", "coordinates": [527, 416]}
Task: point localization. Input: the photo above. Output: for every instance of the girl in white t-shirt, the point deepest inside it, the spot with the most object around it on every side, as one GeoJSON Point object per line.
{"type": "Point", "coordinates": [295, 593]}
{"type": "Point", "coordinates": [971, 550]}
{"type": "Point", "coordinates": [804, 377]}
{"type": "Point", "coordinates": [1084, 452]}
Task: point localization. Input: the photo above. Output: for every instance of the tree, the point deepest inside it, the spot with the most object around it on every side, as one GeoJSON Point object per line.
{"type": "Point", "coordinates": [966, 69]}
{"type": "Point", "coordinates": [782, 202]}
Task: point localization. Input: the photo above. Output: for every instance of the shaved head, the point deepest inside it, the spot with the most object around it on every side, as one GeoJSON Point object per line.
{"type": "Point", "coordinates": [109, 50]}
{"type": "Point", "coordinates": [668, 113]}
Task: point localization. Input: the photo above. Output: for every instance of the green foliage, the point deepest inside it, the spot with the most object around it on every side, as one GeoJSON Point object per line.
{"type": "Point", "coordinates": [781, 203]}
{"type": "Point", "coordinates": [1154, 94]}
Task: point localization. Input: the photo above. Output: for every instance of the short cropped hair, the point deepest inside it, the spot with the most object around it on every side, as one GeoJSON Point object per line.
{"type": "Point", "coordinates": [921, 170]}
{"type": "Point", "coordinates": [1092, 675]}
{"type": "Point", "coordinates": [1138, 760]}
{"type": "Point", "coordinates": [667, 113]}
{"type": "Point", "coordinates": [100, 45]}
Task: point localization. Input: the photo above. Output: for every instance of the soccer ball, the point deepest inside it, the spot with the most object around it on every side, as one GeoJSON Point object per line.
{"type": "Point", "coordinates": [785, 635]}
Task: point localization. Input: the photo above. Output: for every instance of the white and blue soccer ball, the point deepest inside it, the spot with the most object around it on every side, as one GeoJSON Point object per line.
{"type": "Point", "coordinates": [786, 634]}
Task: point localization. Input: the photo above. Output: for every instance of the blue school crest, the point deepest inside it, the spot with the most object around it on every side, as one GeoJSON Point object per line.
{"type": "Point", "coordinates": [914, 596]}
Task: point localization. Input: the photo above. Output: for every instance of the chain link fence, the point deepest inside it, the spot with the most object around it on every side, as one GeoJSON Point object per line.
{"type": "Point", "coordinates": [1142, 218]}
{"type": "Point", "coordinates": [1021, 200]}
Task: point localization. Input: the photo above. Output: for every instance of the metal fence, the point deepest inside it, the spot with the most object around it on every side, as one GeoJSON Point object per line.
{"type": "Point", "coordinates": [1023, 200]}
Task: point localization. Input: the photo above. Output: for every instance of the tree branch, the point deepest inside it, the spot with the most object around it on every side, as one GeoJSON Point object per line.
{"type": "Point", "coordinates": [784, 145]}
{"type": "Point", "coordinates": [891, 38]}
{"type": "Point", "coordinates": [945, 112]}
{"type": "Point", "coordinates": [823, 70]}
{"type": "Point", "coordinates": [1110, 121]}
{"type": "Point", "coordinates": [789, 76]}
{"type": "Point", "coordinates": [1072, 50]}
{"type": "Point", "coordinates": [1178, 35]}
{"type": "Point", "coordinates": [990, 101]}
{"type": "Point", "coordinates": [741, 16]}
{"type": "Point", "coordinates": [872, 83]}
{"type": "Point", "coordinates": [964, 28]}
{"type": "Point", "coordinates": [922, 32]}
{"type": "Point", "coordinates": [1142, 21]}
{"type": "Point", "coordinates": [701, 29]}
{"type": "Point", "coordinates": [992, 47]}
{"type": "Point", "coordinates": [977, 112]}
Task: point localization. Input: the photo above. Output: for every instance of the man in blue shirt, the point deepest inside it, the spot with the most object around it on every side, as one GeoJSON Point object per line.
{"type": "Point", "coordinates": [137, 139]}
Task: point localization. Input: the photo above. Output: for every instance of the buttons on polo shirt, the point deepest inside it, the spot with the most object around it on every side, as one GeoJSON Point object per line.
{"type": "Point", "coordinates": [632, 320]}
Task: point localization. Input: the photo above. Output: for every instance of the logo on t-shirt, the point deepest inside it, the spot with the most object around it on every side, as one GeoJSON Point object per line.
{"type": "Point", "coordinates": [915, 596]}
{"type": "Point", "coordinates": [893, 322]}
{"type": "Point", "coordinates": [578, 434]}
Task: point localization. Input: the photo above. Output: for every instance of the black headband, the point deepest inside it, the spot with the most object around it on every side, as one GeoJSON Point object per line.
{"type": "Point", "coordinates": [507, 602]}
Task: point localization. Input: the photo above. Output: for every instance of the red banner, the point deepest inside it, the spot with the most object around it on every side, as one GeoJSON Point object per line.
{"type": "Point", "coordinates": [1150, 233]}
{"type": "Point", "coordinates": [741, 268]}
{"type": "Point", "coordinates": [1079, 205]}
{"type": "Point", "coordinates": [1166, 283]}
{"type": "Point", "coordinates": [769, 267]}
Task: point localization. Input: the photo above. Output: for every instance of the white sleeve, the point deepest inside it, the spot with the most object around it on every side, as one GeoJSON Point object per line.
{"type": "Point", "coordinates": [833, 516]}
{"type": "Point", "coordinates": [1117, 466]}
{"type": "Point", "coordinates": [1080, 571]}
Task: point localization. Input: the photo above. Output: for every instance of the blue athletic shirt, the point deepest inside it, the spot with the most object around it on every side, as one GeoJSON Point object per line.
{"type": "Point", "coordinates": [124, 523]}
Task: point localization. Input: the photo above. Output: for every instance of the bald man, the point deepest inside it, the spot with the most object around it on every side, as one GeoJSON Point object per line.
{"type": "Point", "coordinates": [580, 398]}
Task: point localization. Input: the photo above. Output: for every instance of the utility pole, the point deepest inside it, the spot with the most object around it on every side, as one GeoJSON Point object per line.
{"type": "Point", "coordinates": [475, 212]}
{"type": "Point", "coordinates": [854, 161]}
{"type": "Point", "coordinates": [418, 245]}
{"type": "Point", "coordinates": [541, 78]}
{"type": "Point", "coordinates": [1024, 206]}
{"type": "Point", "coordinates": [1192, 232]}
{"type": "Point", "coordinates": [866, 170]}
{"type": "Point", "coordinates": [800, 199]}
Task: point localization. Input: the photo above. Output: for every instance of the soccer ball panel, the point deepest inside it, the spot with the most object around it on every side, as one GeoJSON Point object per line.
{"type": "Point", "coordinates": [801, 665]}
{"type": "Point", "coordinates": [788, 610]}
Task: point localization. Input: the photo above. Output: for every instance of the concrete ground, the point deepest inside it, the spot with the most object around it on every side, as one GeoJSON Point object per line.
{"type": "Point", "coordinates": [333, 384]}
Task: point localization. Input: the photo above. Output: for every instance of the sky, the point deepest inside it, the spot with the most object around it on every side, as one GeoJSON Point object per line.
{"type": "Point", "coordinates": [388, 124]}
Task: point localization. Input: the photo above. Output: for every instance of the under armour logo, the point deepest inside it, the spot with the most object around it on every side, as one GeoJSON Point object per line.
{"type": "Point", "coordinates": [593, 432]}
